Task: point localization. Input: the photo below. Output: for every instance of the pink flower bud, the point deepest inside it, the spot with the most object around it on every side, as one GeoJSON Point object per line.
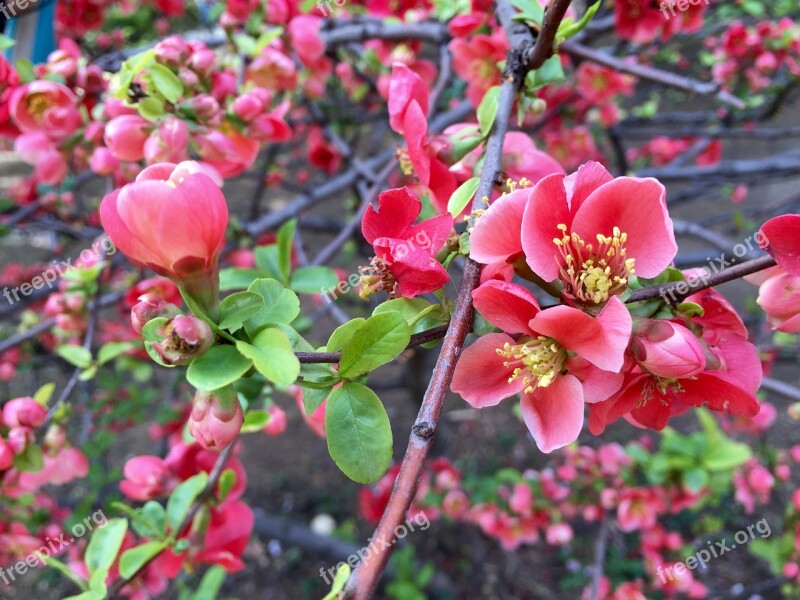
{"type": "Point", "coordinates": [216, 418]}
{"type": "Point", "coordinates": [247, 107]}
{"type": "Point", "coordinates": [23, 412]}
{"type": "Point", "coordinates": [151, 306]}
{"type": "Point", "coordinates": [667, 349]}
{"type": "Point", "coordinates": [19, 438]}
{"type": "Point", "coordinates": [277, 421]}
{"type": "Point", "coordinates": [172, 52]}
{"type": "Point", "coordinates": [203, 61]}
{"type": "Point", "coordinates": [558, 534]}
{"type": "Point", "coordinates": [168, 142]}
{"type": "Point", "coordinates": [185, 337]}
{"type": "Point", "coordinates": [6, 455]}
{"type": "Point", "coordinates": [125, 136]}
{"type": "Point", "coordinates": [103, 161]}
{"type": "Point", "coordinates": [146, 478]}
{"type": "Point", "coordinates": [206, 108]}
{"type": "Point", "coordinates": [521, 501]}
{"type": "Point", "coordinates": [55, 438]}
{"type": "Point", "coordinates": [188, 78]}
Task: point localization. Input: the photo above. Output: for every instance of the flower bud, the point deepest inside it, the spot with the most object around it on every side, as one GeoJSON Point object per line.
{"type": "Point", "coordinates": [125, 136]}
{"type": "Point", "coordinates": [172, 52]}
{"type": "Point", "coordinates": [19, 438]}
{"type": "Point", "coordinates": [667, 349]}
{"type": "Point", "coordinates": [6, 455]}
{"type": "Point", "coordinates": [103, 161]}
{"type": "Point", "coordinates": [23, 412]}
{"type": "Point", "coordinates": [146, 478]}
{"type": "Point", "coordinates": [185, 337]}
{"type": "Point", "coordinates": [277, 421]}
{"type": "Point", "coordinates": [151, 306]}
{"type": "Point", "coordinates": [206, 108]}
{"type": "Point", "coordinates": [55, 438]}
{"type": "Point", "coordinates": [247, 107]}
{"type": "Point", "coordinates": [216, 418]}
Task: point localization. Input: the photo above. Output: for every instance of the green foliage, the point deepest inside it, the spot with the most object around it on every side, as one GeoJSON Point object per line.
{"type": "Point", "coordinates": [182, 498]}
{"type": "Point", "coordinates": [358, 432]}
{"type": "Point", "coordinates": [376, 342]}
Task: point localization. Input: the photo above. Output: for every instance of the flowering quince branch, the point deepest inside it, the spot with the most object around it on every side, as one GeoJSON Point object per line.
{"type": "Point", "coordinates": [364, 580]}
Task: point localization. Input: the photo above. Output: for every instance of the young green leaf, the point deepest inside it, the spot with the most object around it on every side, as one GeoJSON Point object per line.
{"type": "Point", "coordinates": [134, 559]}
{"type": "Point", "coordinates": [487, 111]}
{"type": "Point", "coordinates": [358, 432]}
{"type": "Point", "coordinates": [280, 305]}
{"type": "Point", "coordinates": [182, 497]}
{"type": "Point", "coordinates": [378, 340]}
{"type": "Point", "coordinates": [217, 368]}
{"type": "Point", "coordinates": [235, 309]}
{"type": "Point", "coordinates": [75, 355]}
{"type": "Point", "coordinates": [104, 546]}
{"type": "Point", "coordinates": [462, 196]}
{"type": "Point", "coordinates": [273, 356]}
{"type": "Point", "coordinates": [313, 280]}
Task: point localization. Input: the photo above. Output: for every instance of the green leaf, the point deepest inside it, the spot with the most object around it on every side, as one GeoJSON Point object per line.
{"type": "Point", "coordinates": [245, 44]}
{"type": "Point", "coordinates": [727, 456]}
{"type": "Point", "coordinates": [411, 309]}
{"type": "Point", "coordinates": [235, 309]}
{"type": "Point", "coordinates": [531, 11]}
{"type": "Point", "coordinates": [342, 575]}
{"type": "Point", "coordinates": [285, 240]}
{"type": "Point", "coordinates": [64, 570]}
{"type": "Point", "coordinates": [568, 30]}
{"type": "Point", "coordinates": [267, 260]}
{"type": "Point", "coordinates": [112, 350]}
{"type": "Point", "coordinates": [343, 333]}
{"type": "Point", "coordinates": [462, 196]}
{"type": "Point", "coordinates": [134, 559]}
{"type": "Point", "coordinates": [226, 482]}
{"type": "Point", "coordinates": [550, 72]}
{"type": "Point", "coordinates": [358, 432]}
{"type": "Point", "coordinates": [25, 70]}
{"type": "Point", "coordinates": [375, 343]}
{"type": "Point", "coordinates": [281, 306]}
{"type": "Point", "coordinates": [695, 479]}
{"type": "Point", "coordinates": [237, 279]}
{"type": "Point", "coordinates": [167, 83]}
{"type": "Point", "coordinates": [151, 108]}
{"type": "Point", "coordinates": [104, 546]}
{"type": "Point", "coordinates": [210, 584]}
{"type": "Point", "coordinates": [44, 393]}
{"type": "Point", "coordinates": [217, 368]}
{"type": "Point", "coordinates": [181, 499]}
{"type": "Point", "coordinates": [255, 420]}
{"type": "Point", "coordinates": [151, 335]}
{"type": "Point", "coordinates": [313, 280]}
{"type": "Point", "coordinates": [75, 355]}
{"type": "Point", "coordinates": [487, 111]}
{"type": "Point", "coordinates": [273, 356]}
{"type": "Point", "coordinates": [6, 42]}
{"type": "Point", "coordinates": [31, 460]}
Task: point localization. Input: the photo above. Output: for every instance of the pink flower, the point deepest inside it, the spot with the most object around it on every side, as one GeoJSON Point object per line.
{"type": "Point", "coordinates": [405, 263]}
{"type": "Point", "coordinates": [167, 143]}
{"type": "Point", "coordinates": [475, 61]}
{"type": "Point", "coordinates": [666, 349]}
{"type": "Point", "coordinates": [103, 161]}
{"type": "Point", "coordinates": [638, 508]}
{"type": "Point", "coordinates": [559, 534]}
{"type": "Point", "coordinates": [185, 338]}
{"type": "Point", "coordinates": [563, 359]}
{"type": "Point", "coordinates": [6, 456]}
{"type": "Point", "coordinates": [148, 220]}
{"type": "Point", "coordinates": [50, 164]}
{"type": "Point", "coordinates": [592, 231]}
{"type": "Point", "coordinates": [23, 412]}
{"type": "Point", "coordinates": [45, 107]}
{"type": "Point", "coordinates": [780, 237]}
{"type": "Point", "coordinates": [304, 33]}
{"type": "Point", "coordinates": [216, 418]}
{"type": "Point", "coordinates": [146, 478]}
{"type": "Point", "coordinates": [125, 136]}
{"type": "Point", "coordinates": [151, 306]}
{"type": "Point", "coordinates": [230, 153]}
{"type": "Point", "coordinates": [277, 421]}
{"type": "Point", "coordinates": [779, 297]}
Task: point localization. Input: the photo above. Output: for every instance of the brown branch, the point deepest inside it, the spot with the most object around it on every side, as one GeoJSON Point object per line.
{"type": "Point", "coordinates": [679, 290]}
{"type": "Point", "coordinates": [364, 580]}
{"type": "Point", "coordinates": [666, 78]}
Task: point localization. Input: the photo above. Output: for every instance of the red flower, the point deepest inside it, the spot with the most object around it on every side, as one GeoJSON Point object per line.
{"type": "Point", "coordinates": [405, 263]}
{"type": "Point", "coordinates": [781, 238]}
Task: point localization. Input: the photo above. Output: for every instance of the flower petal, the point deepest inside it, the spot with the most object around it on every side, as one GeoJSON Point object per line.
{"type": "Point", "coordinates": [397, 210]}
{"type": "Point", "coordinates": [546, 209]}
{"type": "Point", "coordinates": [496, 237]}
{"type": "Point", "coordinates": [506, 305]}
{"type": "Point", "coordinates": [554, 415]}
{"type": "Point", "coordinates": [480, 376]}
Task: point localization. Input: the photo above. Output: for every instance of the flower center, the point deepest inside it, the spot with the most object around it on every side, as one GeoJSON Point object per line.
{"type": "Point", "coordinates": [405, 161]}
{"type": "Point", "coordinates": [592, 273]}
{"type": "Point", "coordinates": [37, 104]}
{"type": "Point", "coordinates": [662, 384]}
{"type": "Point", "coordinates": [538, 361]}
{"type": "Point", "coordinates": [376, 277]}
